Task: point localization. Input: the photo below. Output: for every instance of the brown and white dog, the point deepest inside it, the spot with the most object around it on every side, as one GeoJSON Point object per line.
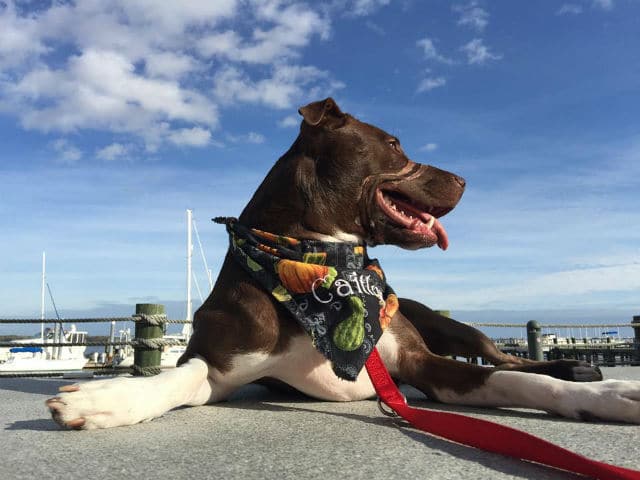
{"type": "Point", "coordinates": [344, 180]}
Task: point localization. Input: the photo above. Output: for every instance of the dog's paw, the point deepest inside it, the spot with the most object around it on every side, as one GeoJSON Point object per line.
{"type": "Point", "coordinates": [578, 371]}
{"type": "Point", "coordinates": [609, 400]}
{"type": "Point", "coordinates": [98, 404]}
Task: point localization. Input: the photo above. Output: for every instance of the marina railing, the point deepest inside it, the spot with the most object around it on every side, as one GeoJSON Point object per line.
{"type": "Point", "coordinates": [609, 350]}
{"type": "Point", "coordinates": [150, 323]}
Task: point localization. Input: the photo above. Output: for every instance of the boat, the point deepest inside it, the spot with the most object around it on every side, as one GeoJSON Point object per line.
{"type": "Point", "coordinates": [124, 357]}
{"type": "Point", "coordinates": [29, 359]}
{"type": "Point", "coordinates": [26, 358]}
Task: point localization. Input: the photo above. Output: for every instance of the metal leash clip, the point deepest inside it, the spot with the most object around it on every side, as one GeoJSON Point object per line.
{"type": "Point", "coordinates": [388, 413]}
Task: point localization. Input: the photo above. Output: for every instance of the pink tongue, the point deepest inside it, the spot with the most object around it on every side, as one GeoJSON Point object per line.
{"type": "Point", "coordinates": [437, 230]}
{"type": "Point", "coordinates": [443, 238]}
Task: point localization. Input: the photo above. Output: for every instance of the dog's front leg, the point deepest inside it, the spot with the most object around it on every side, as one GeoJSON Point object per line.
{"type": "Point", "coordinates": [126, 401]}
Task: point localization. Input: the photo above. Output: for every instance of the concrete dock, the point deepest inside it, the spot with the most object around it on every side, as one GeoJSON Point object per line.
{"type": "Point", "coordinates": [260, 434]}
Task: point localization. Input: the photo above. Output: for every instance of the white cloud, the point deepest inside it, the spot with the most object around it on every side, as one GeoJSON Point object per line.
{"type": "Point", "coordinates": [430, 51]}
{"type": "Point", "coordinates": [254, 137]}
{"type": "Point", "coordinates": [430, 83]}
{"type": "Point", "coordinates": [603, 4]}
{"type": "Point", "coordinates": [101, 89]}
{"type": "Point", "coordinates": [286, 85]}
{"type": "Point", "coordinates": [192, 137]}
{"type": "Point", "coordinates": [472, 15]}
{"type": "Point", "coordinates": [374, 27]}
{"type": "Point", "coordinates": [19, 37]}
{"type": "Point", "coordinates": [289, 121]}
{"type": "Point", "coordinates": [367, 7]}
{"type": "Point", "coordinates": [478, 53]}
{"type": "Point", "coordinates": [170, 65]}
{"type": "Point", "coordinates": [112, 152]}
{"type": "Point", "coordinates": [569, 9]}
{"type": "Point", "coordinates": [562, 284]}
{"type": "Point", "coordinates": [68, 153]}
{"type": "Point", "coordinates": [294, 26]}
{"type": "Point", "coordinates": [136, 67]}
{"type": "Point", "coordinates": [570, 288]}
{"type": "Point", "coordinates": [172, 18]}
{"type": "Point", "coordinates": [220, 44]}
{"type": "Point", "coordinates": [429, 147]}
{"type": "Point", "coordinates": [251, 137]}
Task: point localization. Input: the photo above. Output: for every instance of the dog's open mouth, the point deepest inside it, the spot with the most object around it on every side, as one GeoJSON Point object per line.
{"type": "Point", "coordinates": [421, 220]}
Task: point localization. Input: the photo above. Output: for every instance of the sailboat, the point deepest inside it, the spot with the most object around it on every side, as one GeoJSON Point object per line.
{"type": "Point", "coordinates": [55, 358]}
{"type": "Point", "coordinates": [171, 353]}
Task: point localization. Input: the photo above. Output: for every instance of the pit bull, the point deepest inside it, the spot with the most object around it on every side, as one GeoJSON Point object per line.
{"type": "Point", "coordinates": [344, 185]}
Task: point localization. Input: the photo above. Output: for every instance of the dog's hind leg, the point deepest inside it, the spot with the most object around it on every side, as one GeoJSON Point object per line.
{"type": "Point", "coordinates": [450, 381]}
{"type": "Point", "coordinates": [445, 336]}
{"type": "Point", "coordinates": [125, 400]}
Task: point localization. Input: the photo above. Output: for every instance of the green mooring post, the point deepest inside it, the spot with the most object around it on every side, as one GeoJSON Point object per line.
{"type": "Point", "coordinates": [534, 341]}
{"type": "Point", "coordinates": [636, 339]}
{"type": "Point", "coordinates": [150, 319]}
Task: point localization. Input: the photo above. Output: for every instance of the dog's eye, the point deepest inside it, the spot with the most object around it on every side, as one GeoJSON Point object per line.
{"type": "Point", "coordinates": [395, 144]}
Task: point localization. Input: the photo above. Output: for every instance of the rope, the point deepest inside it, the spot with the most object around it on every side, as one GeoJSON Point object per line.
{"type": "Point", "coordinates": [155, 343]}
{"type": "Point", "coordinates": [554, 325]}
{"type": "Point", "coordinates": [156, 319]}
{"type": "Point", "coordinates": [97, 372]}
{"type": "Point", "coordinates": [62, 344]}
{"type": "Point", "coordinates": [159, 342]}
{"type": "Point", "coordinates": [168, 320]}
{"type": "Point", "coordinates": [89, 320]}
{"type": "Point", "coordinates": [145, 371]}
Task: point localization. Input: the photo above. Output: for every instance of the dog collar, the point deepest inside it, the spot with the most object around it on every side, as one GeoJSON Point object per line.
{"type": "Point", "coordinates": [333, 289]}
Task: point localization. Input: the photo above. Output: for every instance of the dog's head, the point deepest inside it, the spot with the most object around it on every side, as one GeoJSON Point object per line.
{"type": "Point", "coordinates": [361, 177]}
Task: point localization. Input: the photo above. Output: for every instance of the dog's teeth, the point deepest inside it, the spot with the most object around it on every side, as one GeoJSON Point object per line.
{"type": "Point", "coordinates": [431, 222]}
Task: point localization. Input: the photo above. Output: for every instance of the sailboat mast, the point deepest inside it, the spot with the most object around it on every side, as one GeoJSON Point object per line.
{"type": "Point", "coordinates": [44, 266]}
{"type": "Point", "coordinates": [189, 262]}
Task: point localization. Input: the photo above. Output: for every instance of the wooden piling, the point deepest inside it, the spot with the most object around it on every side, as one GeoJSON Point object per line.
{"type": "Point", "coordinates": [150, 319]}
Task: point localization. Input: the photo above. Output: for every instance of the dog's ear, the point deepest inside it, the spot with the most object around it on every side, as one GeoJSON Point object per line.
{"type": "Point", "coordinates": [318, 113]}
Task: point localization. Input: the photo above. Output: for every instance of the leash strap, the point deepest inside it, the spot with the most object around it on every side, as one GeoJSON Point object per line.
{"type": "Point", "coordinates": [486, 435]}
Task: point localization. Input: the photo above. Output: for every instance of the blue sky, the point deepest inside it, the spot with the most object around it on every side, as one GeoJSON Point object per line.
{"type": "Point", "coordinates": [116, 116]}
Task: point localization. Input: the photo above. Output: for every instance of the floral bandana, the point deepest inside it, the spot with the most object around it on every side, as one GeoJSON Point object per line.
{"type": "Point", "coordinates": [335, 292]}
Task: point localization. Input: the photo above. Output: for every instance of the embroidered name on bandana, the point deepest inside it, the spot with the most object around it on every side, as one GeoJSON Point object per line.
{"type": "Point", "coordinates": [336, 293]}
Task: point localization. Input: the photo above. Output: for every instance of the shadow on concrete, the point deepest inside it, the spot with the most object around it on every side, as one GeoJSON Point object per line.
{"type": "Point", "coordinates": [39, 425]}
{"type": "Point", "coordinates": [496, 462]}
{"type": "Point", "coordinates": [42, 386]}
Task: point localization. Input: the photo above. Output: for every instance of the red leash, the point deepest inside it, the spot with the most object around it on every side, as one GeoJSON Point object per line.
{"type": "Point", "coordinates": [486, 435]}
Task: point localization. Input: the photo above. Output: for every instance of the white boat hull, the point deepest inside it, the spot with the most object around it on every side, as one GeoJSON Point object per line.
{"type": "Point", "coordinates": [169, 357]}
{"type": "Point", "coordinates": [25, 365]}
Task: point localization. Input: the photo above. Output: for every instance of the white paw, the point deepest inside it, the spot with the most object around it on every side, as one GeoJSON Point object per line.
{"type": "Point", "coordinates": [99, 404]}
{"type": "Point", "coordinates": [611, 400]}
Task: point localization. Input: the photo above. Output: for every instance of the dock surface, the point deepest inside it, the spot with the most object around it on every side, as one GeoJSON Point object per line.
{"type": "Point", "coordinates": [260, 434]}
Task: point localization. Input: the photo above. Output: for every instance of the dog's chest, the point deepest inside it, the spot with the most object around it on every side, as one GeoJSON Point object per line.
{"type": "Point", "coordinates": [307, 370]}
